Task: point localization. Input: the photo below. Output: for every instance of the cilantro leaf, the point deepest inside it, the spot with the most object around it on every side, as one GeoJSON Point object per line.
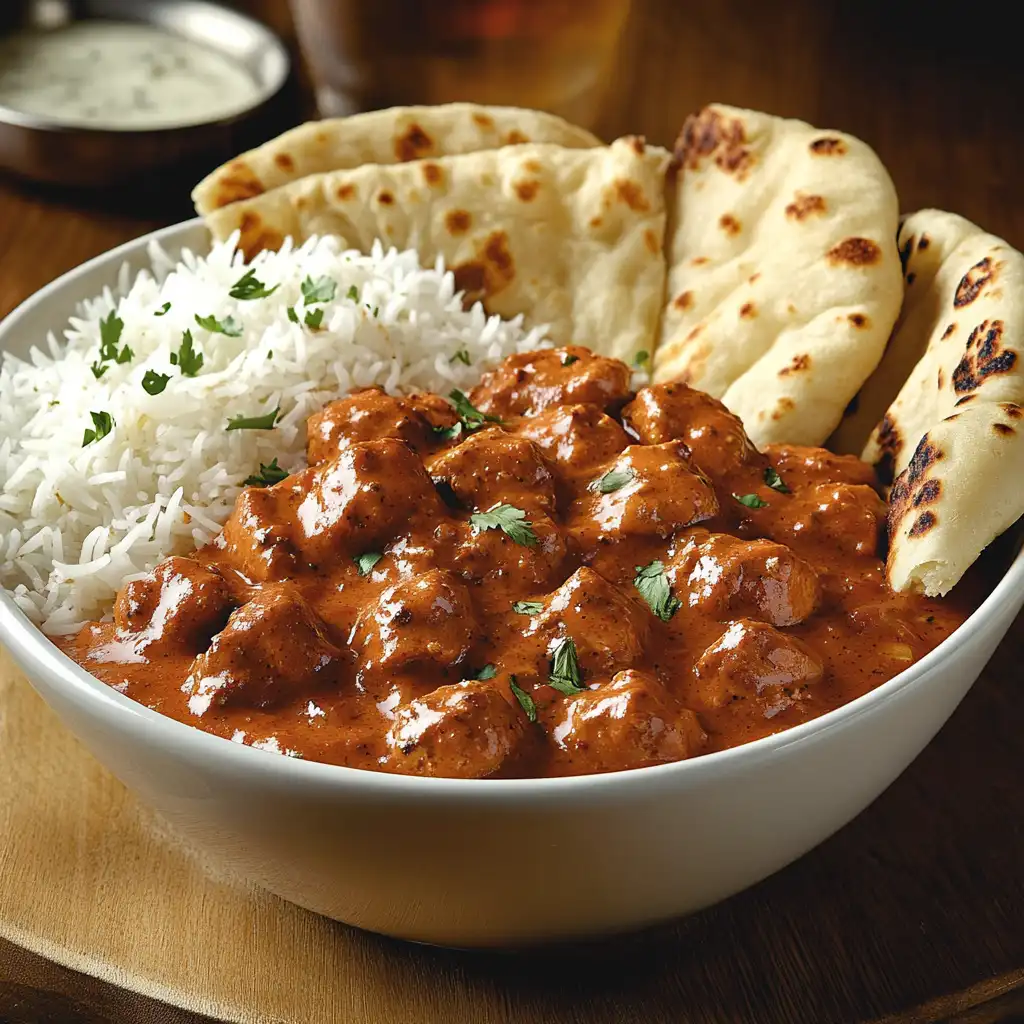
{"type": "Point", "coordinates": [612, 481]}
{"type": "Point", "coordinates": [111, 327]}
{"type": "Point", "coordinates": [98, 369]}
{"type": "Point", "coordinates": [487, 672]}
{"type": "Point", "coordinates": [525, 700]}
{"type": "Point", "coordinates": [570, 359]}
{"type": "Point", "coordinates": [247, 287]}
{"type": "Point", "coordinates": [653, 585]}
{"type": "Point", "coordinates": [314, 318]}
{"type": "Point", "coordinates": [228, 326]}
{"type": "Point", "coordinates": [162, 311]}
{"type": "Point", "coordinates": [323, 289]}
{"type": "Point", "coordinates": [528, 607]}
{"type": "Point", "coordinates": [365, 562]}
{"type": "Point", "coordinates": [352, 293]}
{"type": "Point", "coordinates": [267, 476]}
{"type": "Point", "coordinates": [751, 500]}
{"type": "Point", "coordinates": [102, 423]}
{"type": "Point", "coordinates": [462, 356]}
{"type": "Point", "coordinates": [153, 383]}
{"type": "Point", "coordinates": [186, 358]}
{"type": "Point", "coordinates": [472, 418]}
{"type": "Point", "coordinates": [450, 433]}
{"type": "Point", "coordinates": [292, 315]}
{"type": "Point", "coordinates": [507, 518]}
{"type": "Point", "coordinates": [641, 359]}
{"type": "Point", "coordinates": [565, 668]}
{"type": "Point", "coordinates": [254, 422]}
{"type": "Point", "coordinates": [774, 481]}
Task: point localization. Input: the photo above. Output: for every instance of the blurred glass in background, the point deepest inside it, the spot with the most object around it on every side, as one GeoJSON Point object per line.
{"type": "Point", "coordinates": [553, 55]}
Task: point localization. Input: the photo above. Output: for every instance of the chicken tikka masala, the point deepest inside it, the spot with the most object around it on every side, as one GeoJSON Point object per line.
{"type": "Point", "coordinates": [551, 576]}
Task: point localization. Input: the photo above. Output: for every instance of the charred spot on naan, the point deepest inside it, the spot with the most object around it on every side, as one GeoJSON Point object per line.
{"type": "Point", "coordinates": [413, 144]}
{"type": "Point", "coordinates": [526, 190]}
{"type": "Point", "coordinates": [856, 252]}
{"type": "Point", "coordinates": [948, 331]}
{"type": "Point", "coordinates": [712, 134]}
{"type": "Point", "coordinates": [236, 183]}
{"type": "Point", "coordinates": [912, 489]}
{"type": "Point", "coordinates": [748, 311]}
{"type": "Point", "coordinates": [458, 222]}
{"type": "Point", "coordinates": [622, 190]}
{"type": "Point", "coordinates": [255, 236]}
{"type": "Point", "coordinates": [974, 282]}
{"type": "Point", "coordinates": [804, 206]}
{"type": "Point", "coordinates": [828, 145]}
{"type": "Point", "coordinates": [729, 224]}
{"type": "Point", "coordinates": [859, 320]}
{"type": "Point", "coordinates": [798, 364]}
{"type": "Point", "coordinates": [346, 191]}
{"type": "Point", "coordinates": [890, 444]}
{"type": "Point", "coordinates": [433, 175]}
{"type": "Point", "coordinates": [985, 357]}
{"type": "Point", "coordinates": [490, 272]}
{"type": "Point", "coordinates": [684, 300]}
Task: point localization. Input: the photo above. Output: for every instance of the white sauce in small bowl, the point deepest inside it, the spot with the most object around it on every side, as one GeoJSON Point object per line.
{"type": "Point", "coordinates": [120, 75]}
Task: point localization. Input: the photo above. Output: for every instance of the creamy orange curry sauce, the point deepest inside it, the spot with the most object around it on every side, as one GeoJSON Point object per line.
{"type": "Point", "coordinates": [554, 576]}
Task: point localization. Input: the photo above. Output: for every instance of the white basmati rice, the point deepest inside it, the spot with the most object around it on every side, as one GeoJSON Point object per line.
{"type": "Point", "coordinates": [77, 520]}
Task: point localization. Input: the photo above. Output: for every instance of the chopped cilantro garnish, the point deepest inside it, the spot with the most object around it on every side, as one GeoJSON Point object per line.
{"type": "Point", "coordinates": [507, 518]}
{"type": "Point", "coordinates": [487, 672]}
{"type": "Point", "coordinates": [323, 289]}
{"type": "Point", "coordinates": [525, 700]}
{"type": "Point", "coordinates": [774, 481]}
{"type": "Point", "coordinates": [153, 383]}
{"type": "Point", "coordinates": [102, 423]}
{"type": "Point", "coordinates": [751, 500]}
{"type": "Point", "coordinates": [254, 422]}
{"type": "Point", "coordinates": [641, 359]}
{"type": "Point", "coordinates": [267, 476]}
{"type": "Point", "coordinates": [612, 481]}
{"type": "Point", "coordinates": [247, 287]}
{"type": "Point", "coordinates": [653, 585]}
{"type": "Point", "coordinates": [98, 369]}
{"type": "Point", "coordinates": [162, 311]}
{"type": "Point", "coordinates": [111, 327]}
{"type": "Point", "coordinates": [352, 293]}
{"type": "Point", "coordinates": [186, 358]}
{"type": "Point", "coordinates": [229, 325]}
{"type": "Point", "coordinates": [565, 668]}
{"type": "Point", "coordinates": [314, 318]}
{"type": "Point", "coordinates": [365, 562]}
{"type": "Point", "coordinates": [570, 359]}
{"type": "Point", "coordinates": [528, 607]}
{"type": "Point", "coordinates": [472, 418]}
{"type": "Point", "coordinates": [462, 356]}
{"type": "Point", "coordinates": [292, 315]}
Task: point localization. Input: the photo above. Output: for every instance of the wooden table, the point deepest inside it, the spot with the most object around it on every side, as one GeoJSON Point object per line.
{"type": "Point", "coordinates": [915, 911]}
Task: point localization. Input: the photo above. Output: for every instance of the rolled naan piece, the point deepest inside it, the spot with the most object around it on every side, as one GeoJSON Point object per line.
{"type": "Point", "coordinates": [953, 439]}
{"type": "Point", "coordinates": [570, 238]}
{"type": "Point", "coordinates": [388, 136]}
{"type": "Point", "coordinates": [784, 278]}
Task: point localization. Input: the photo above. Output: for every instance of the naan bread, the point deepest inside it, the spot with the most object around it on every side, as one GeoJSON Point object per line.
{"type": "Point", "coordinates": [954, 436]}
{"type": "Point", "coordinates": [380, 137]}
{"type": "Point", "coordinates": [571, 238]}
{"type": "Point", "coordinates": [784, 278]}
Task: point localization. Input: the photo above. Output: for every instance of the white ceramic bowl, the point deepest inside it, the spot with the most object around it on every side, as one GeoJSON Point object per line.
{"type": "Point", "coordinates": [472, 863]}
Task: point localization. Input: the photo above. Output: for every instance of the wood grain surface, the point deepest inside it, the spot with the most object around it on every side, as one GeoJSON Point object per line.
{"type": "Point", "coordinates": [914, 912]}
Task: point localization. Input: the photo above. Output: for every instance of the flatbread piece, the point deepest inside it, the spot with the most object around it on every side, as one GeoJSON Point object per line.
{"type": "Point", "coordinates": [784, 278]}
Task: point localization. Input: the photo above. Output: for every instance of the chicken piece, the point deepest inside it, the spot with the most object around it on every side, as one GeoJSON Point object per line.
{"type": "Point", "coordinates": [801, 467]}
{"type": "Point", "coordinates": [493, 467]}
{"type": "Point", "coordinates": [258, 535]}
{"type": "Point", "coordinates": [524, 385]}
{"type": "Point", "coordinates": [727, 577]}
{"type": "Point", "coordinates": [754, 660]}
{"type": "Point", "coordinates": [272, 649]}
{"type": "Point", "coordinates": [674, 412]}
{"type": "Point", "coordinates": [426, 619]}
{"type": "Point", "coordinates": [466, 730]}
{"type": "Point", "coordinates": [363, 499]}
{"type": "Point", "coordinates": [576, 438]}
{"type": "Point", "coordinates": [507, 566]}
{"type": "Point", "coordinates": [631, 722]}
{"type": "Point", "coordinates": [826, 518]}
{"type": "Point", "coordinates": [180, 604]}
{"type": "Point", "coordinates": [649, 491]}
{"type": "Point", "coordinates": [372, 413]}
{"type": "Point", "coordinates": [607, 626]}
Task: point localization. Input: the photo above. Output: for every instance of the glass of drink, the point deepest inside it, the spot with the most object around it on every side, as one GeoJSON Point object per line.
{"type": "Point", "coordinates": [553, 55]}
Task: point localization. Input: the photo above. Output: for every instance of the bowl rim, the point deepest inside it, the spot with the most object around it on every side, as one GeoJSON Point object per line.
{"type": "Point", "coordinates": [33, 648]}
{"type": "Point", "coordinates": [267, 87]}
